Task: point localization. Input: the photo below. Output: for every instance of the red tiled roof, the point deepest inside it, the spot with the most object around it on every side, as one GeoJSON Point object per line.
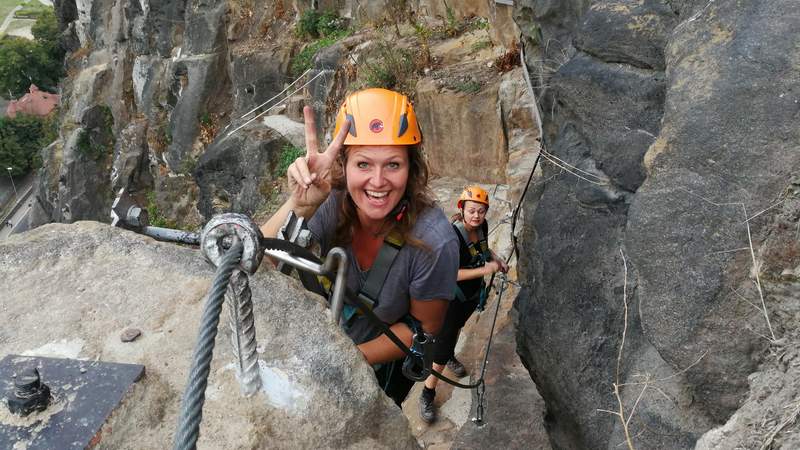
{"type": "Point", "coordinates": [35, 102]}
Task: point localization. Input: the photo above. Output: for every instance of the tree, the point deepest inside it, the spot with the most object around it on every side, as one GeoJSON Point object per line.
{"type": "Point", "coordinates": [24, 62]}
{"type": "Point", "coordinates": [45, 32]}
{"type": "Point", "coordinates": [21, 139]}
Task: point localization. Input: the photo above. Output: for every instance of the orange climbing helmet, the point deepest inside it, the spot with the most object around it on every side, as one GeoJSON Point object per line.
{"type": "Point", "coordinates": [379, 117]}
{"type": "Point", "coordinates": [475, 194]}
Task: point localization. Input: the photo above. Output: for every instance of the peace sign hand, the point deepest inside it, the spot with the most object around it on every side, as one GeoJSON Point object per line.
{"type": "Point", "coordinates": [309, 176]}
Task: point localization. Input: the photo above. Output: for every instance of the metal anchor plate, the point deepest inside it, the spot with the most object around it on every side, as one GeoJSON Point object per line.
{"type": "Point", "coordinates": [85, 394]}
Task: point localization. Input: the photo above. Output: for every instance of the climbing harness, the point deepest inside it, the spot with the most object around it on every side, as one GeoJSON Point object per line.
{"type": "Point", "coordinates": [480, 254]}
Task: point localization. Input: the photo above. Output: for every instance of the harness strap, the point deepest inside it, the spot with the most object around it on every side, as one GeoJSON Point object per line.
{"type": "Point", "coordinates": [379, 271]}
{"type": "Point", "coordinates": [478, 251]}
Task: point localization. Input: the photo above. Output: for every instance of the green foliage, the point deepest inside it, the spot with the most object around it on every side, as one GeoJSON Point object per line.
{"type": "Point", "coordinates": [468, 87]}
{"type": "Point", "coordinates": [314, 25]}
{"type": "Point", "coordinates": [205, 119]}
{"type": "Point", "coordinates": [21, 140]}
{"type": "Point", "coordinates": [388, 67]}
{"type": "Point", "coordinates": [451, 25]}
{"type": "Point", "coordinates": [326, 28]}
{"type": "Point", "coordinates": [40, 61]}
{"type": "Point", "coordinates": [45, 32]}
{"type": "Point", "coordinates": [86, 146]}
{"type": "Point", "coordinates": [307, 25]}
{"type": "Point", "coordinates": [478, 23]}
{"type": "Point", "coordinates": [304, 60]}
{"type": "Point", "coordinates": [97, 142]}
{"type": "Point", "coordinates": [423, 32]}
{"type": "Point", "coordinates": [481, 44]}
{"type": "Point", "coordinates": [155, 216]}
{"type": "Point", "coordinates": [33, 10]}
{"type": "Point", "coordinates": [289, 153]}
{"type": "Point", "coordinates": [188, 165]}
{"type": "Point", "coordinates": [330, 24]}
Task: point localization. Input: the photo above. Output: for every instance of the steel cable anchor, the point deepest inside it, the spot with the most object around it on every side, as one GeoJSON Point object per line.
{"type": "Point", "coordinates": [216, 238]}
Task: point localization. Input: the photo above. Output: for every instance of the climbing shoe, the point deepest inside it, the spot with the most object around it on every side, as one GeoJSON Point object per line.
{"type": "Point", "coordinates": [426, 410]}
{"type": "Point", "coordinates": [456, 367]}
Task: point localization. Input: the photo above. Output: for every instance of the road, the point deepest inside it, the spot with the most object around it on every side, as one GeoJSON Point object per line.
{"type": "Point", "coordinates": [19, 219]}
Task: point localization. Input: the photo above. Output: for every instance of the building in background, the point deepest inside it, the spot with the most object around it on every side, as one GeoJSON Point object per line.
{"type": "Point", "coordinates": [34, 103]}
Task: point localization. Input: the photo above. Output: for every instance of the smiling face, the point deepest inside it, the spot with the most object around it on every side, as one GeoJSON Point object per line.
{"type": "Point", "coordinates": [376, 180]}
{"type": "Point", "coordinates": [474, 213]}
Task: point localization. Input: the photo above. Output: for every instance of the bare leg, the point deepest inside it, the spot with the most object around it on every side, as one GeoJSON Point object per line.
{"type": "Point", "coordinates": [432, 381]}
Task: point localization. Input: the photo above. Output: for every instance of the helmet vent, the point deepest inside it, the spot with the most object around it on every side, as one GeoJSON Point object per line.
{"type": "Point", "coordinates": [403, 125]}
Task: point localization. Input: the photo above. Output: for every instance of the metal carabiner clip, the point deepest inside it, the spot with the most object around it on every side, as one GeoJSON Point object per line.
{"type": "Point", "coordinates": [417, 365]}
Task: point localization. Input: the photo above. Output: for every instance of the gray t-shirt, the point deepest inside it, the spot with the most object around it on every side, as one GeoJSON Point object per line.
{"type": "Point", "coordinates": [415, 273]}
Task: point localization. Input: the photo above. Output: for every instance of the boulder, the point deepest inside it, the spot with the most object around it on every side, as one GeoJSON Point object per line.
{"type": "Point", "coordinates": [462, 137]}
{"type": "Point", "coordinates": [703, 186]}
{"type": "Point", "coordinates": [257, 77]}
{"type": "Point", "coordinates": [656, 167]}
{"type": "Point", "coordinates": [77, 287]}
{"type": "Point", "coordinates": [627, 31]}
{"type": "Point", "coordinates": [130, 168]}
{"type": "Point", "coordinates": [237, 170]}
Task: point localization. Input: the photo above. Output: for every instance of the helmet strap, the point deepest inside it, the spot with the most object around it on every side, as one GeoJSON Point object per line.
{"type": "Point", "coordinates": [400, 210]}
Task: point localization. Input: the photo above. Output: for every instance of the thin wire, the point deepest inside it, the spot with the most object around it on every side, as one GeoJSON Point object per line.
{"type": "Point", "coordinates": [322, 72]}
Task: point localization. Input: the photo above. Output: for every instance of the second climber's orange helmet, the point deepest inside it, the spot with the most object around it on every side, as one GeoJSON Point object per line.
{"type": "Point", "coordinates": [474, 194]}
{"type": "Point", "coordinates": [379, 117]}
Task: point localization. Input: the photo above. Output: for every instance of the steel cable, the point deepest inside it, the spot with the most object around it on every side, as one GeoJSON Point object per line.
{"type": "Point", "coordinates": [192, 405]}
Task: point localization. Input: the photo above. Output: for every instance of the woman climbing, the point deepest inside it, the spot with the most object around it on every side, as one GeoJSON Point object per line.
{"type": "Point", "coordinates": [475, 261]}
{"type": "Point", "coordinates": [368, 193]}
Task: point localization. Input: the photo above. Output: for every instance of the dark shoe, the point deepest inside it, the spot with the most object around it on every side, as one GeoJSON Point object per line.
{"type": "Point", "coordinates": [456, 367]}
{"type": "Point", "coordinates": [426, 410]}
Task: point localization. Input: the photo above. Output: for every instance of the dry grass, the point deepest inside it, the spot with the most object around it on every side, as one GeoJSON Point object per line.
{"type": "Point", "coordinates": [756, 267]}
{"type": "Point", "coordinates": [622, 413]}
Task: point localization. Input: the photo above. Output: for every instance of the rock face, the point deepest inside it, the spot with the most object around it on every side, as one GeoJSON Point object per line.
{"type": "Point", "coordinates": [88, 282]}
{"type": "Point", "coordinates": [670, 134]}
{"type": "Point", "coordinates": [172, 76]}
{"type": "Point", "coordinates": [235, 172]}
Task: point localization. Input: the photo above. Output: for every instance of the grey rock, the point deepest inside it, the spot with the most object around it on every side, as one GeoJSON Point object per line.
{"type": "Point", "coordinates": [294, 132]}
{"type": "Point", "coordinates": [671, 165]}
{"type": "Point", "coordinates": [318, 390]}
{"type": "Point", "coordinates": [235, 172]}
{"type": "Point", "coordinates": [130, 334]}
{"type": "Point", "coordinates": [84, 187]}
{"type": "Point", "coordinates": [703, 178]}
{"type": "Point", "coordinates": [629, 32]}
{"type": "Point", "coordinates": [196, 84]}
{"type": "Point", "coordinates": [258, 77]}
{"type": "Point", "coordinates": [130, 169]}
{"type": "Point", "coordinates": [205, 28]}
{"type": "Point", "coordinates": [616, 109]}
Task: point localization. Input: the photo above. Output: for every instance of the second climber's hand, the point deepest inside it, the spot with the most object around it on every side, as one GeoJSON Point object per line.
{"type": "Point", "coordinates": [503, 267]}
{"type": "Point", "coordinates": [493, 266]}
{"type": "Point", "coordinates": [309, 176]}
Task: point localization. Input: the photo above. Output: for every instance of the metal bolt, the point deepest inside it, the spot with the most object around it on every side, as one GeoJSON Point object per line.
{"type": "Point", "coordinates": [27, 383]}
{"type": "Point", "coordinates": [29, 393]}
{"type": "Point", "coordinates": [227, 241]}
{"type": "Point", "coordinates": [137, 217]}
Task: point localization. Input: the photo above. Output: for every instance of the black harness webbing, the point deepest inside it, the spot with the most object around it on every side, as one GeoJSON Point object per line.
{"type": "Point", "coordinates": [479, 253]}
{"type": "Point", "coordinates": [371, 290]}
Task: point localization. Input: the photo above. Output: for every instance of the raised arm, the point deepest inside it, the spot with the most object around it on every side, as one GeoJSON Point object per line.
{"type": "Point", "coordinates": [308, 176]}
